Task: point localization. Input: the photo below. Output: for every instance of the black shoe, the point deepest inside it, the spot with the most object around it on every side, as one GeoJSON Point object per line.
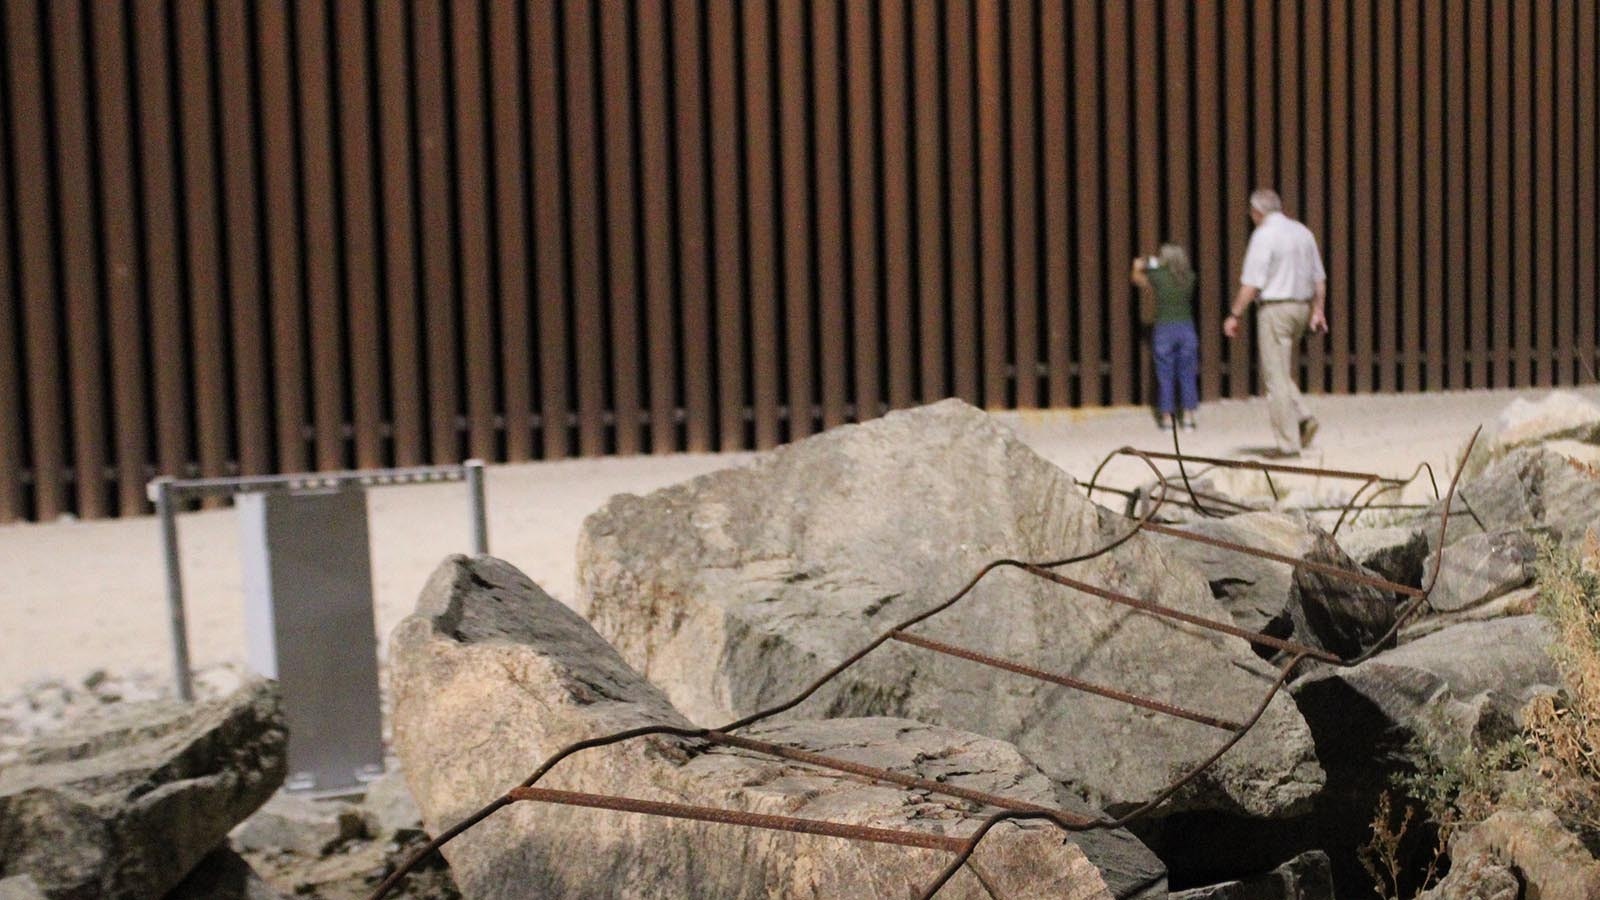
{"type": "Point", "coordinates": [1308, 431]}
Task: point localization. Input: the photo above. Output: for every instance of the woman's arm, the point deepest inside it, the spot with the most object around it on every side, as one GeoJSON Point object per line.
{"type": "Point", "coordinates": [1137, 274]}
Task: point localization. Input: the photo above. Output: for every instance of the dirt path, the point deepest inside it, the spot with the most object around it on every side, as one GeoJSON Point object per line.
{"type": "Point", "coordinates": [78, 596]}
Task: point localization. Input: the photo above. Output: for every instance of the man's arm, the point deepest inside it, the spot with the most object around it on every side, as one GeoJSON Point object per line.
{"type": "Point", "coordinates": [1247, 295]}
{"type": "Point", "coordinates": [1319, 307]}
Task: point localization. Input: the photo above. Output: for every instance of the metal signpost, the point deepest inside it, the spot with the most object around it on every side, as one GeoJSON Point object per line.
{"type": "Point", "coordinates": [308, 603]}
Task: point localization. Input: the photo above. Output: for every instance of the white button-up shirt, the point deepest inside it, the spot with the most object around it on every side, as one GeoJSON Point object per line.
{"type": "Point", "coordinates": [1283, 262]}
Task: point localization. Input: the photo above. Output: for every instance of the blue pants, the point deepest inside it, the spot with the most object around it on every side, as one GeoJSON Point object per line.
{"type": "Point", "coordinates": [1177, 352]}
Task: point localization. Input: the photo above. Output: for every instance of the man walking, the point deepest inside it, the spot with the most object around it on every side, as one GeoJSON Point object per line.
{"type": "Point", "coordinates": [1283, 271]}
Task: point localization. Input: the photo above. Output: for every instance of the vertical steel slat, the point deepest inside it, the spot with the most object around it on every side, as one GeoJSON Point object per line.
{"type": "Point", "coordinates": [1024, 296]}
{"type": "Point", "coordinates": [927, 56]}
{"type": "Point", "coordinates": [1362, 223]}
{"type": "Point", "coordinates": [1458, 282]}
{"type": "Point", "coordinates": [1481, 161]}
{"type": "Point", "coordinates": [12, 505]}
{"type": "Point", "coordinates": [1288, 102]}
{"type": "Point", "coordinates": [1524, 268]}
{"type": "Point", "coordinates": [1542, 332]}
{"type": "Point", "coordinates": [31, 152]}
{"type": "Point", "coordinates": [323, 293]}
{"type": "Point", "coordinates": [119, 228]}
{"type": "Point", "coordinates": [899, 324]}
{"type": "Point", "coordinates": [163, 260]}
{"type": "Point", "coordinates": [1434, 308]}
{"type": "Point", "coordinates": [508, 125]}
{"type": "Point", "coordinates": [1337, 247]}
{"type": "Point", "coordinates": [656, 188]}
{"type": "Point", "coordinates": [994, 290]}
{"type": "Point", "coordinates": [359, 218]}
{"type": "Point", "coordinates": [1210, 234]}
{"type": "Point", "coordinates": [78, 252]}
{"type": "Point", "coordinates": [1123, 354]}
{"type": "Point", "coordinates": [474, 254]}
{"type": "Point", "coordinates": [1264, 80]}
{"type": "Point", "coordinates": [1236, 47]}
{"type": "Point", "coordinates": [438, 236]}
{"type": "Point", "coordinates": [1565, 212]}
{"type": "Point", "coordinates": [550, 235]}
{"type": "Point", "coordinates": [832, 241]}
{"type": "Point", "coordinates": [1503, 227]}
{"type": "Point", "coordinates": [795, 149]}
{"type": "Point", "coordinates": [622, 225]}
{"type": "Point", "coordinates": [966, 357]}
{"type": "Point", "coordinates": [1411, 235]}
{"type": "Point", "coordinates": [475, 285]}
{"type": "Point", "coordinates": [1587, 208]}
{"type": "Point", "coordinates": [278, 165]}
{"type": "Point", "coordinates": [727, 173]}
{"type": "Point", "coordinates": [761, 199]}
{"type": "Point", "coordinates": [1149, 229]}
{"type": "Point", "coordinates": [396, 149]}
{"type": "Point", "coordinates": [1175, 27]}
{"type": "Point", "coordinates": [1386, 199]}
{"type": "Point", "coordinates": [1056, 173]}
{"type": "Point", "coordinates": [585, 219]}
{"type": "Point", "coordinates": [687, 61]}
{"type": "Point", "coordinates": [1314, 185]}
{"type": "Point", "coordinates": [1086, 66]}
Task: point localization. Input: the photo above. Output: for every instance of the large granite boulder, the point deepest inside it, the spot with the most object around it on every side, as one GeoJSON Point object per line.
{"type": "Point", "coordinates": [1478, 877]}
{"type": "Point", "coordinates": [490, 676]}
{"type": "Point", "coordinates": [1480, 567]}
{"type": "Point", "coordinates": [1530, 488]}
{"type": "Point", "coordinates": [735, 590]}
{"type": "Point", "coordinates": [1281, 599]}
{"type": "Point", "coordinates": [1472, 679]}
{"type": "Point", "coordinates": [1546, 857]}
{"type": "Point", "coordinates": [125, 803]}
{"type": "Point", "coordinates": [1556, 415]}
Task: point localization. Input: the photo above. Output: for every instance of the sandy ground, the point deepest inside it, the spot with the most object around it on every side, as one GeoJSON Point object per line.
{"type": "Point", "coordinates": [79, 596]}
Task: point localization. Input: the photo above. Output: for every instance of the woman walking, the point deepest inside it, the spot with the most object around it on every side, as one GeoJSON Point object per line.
{"type": "Point", "coordinates": [1167, 305]}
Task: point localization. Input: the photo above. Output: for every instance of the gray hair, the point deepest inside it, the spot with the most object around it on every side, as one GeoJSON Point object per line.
{"type": "Point", "coordinates": [1265, 200]}
{"type": "Point", "coordinates": [1174, 259]}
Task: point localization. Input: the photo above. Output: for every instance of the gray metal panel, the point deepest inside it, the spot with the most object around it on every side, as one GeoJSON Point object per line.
{"type": "Point", "coordinates": [308, 611]}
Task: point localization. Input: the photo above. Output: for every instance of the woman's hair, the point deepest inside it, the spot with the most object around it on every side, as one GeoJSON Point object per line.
{"type": "Point", "coordinates": [1175, 260]}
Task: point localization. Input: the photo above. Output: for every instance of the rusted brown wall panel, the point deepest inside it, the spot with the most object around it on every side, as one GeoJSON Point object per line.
{"type": "Point", "coordinates": [323, 294]}
{"type": "Point", "coordinates": [1090, 169]}
{"type": "Point", "coordinates": [323, 234]}
{"type": "Point", "coordinates": [79, 275]}
{"type": "Point", "coordinates": [508, 128]}
{"type": "Point", "coordinates": [761, 220]}
{"type": "Point", "coordinates": [1123, 352]}
{"type": "Point", "coordinates": [656, 187]}
{"type": "Point", "coordinates": [620, 216]}
{"type": "Point", "coordinates": [550, 235]}
{"type": "Point", "coordinates": [13, 500]}
{"type": "Point", "coordinates": [473, 251]}
{"type": "Point", "coordinates": [1587, 208]}
{"type": "Point", "coordinates": [396, 168]}
{"type": "Point", "coordinates": [124, 268]}
{"type": "Point", "coordinates": [1022, 95]}
{"type": "Point", "coordinates": [695, 288]}
{"type": "Point", "coordinates": [358, 221]}
{"type": "Point", "coordinates": [796, 190]}
{"type": "Point", "coordinates": [966, 357]}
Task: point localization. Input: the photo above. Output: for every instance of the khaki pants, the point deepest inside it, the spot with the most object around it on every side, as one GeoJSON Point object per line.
{"type": "Point", "coordinates": [1281, 326]}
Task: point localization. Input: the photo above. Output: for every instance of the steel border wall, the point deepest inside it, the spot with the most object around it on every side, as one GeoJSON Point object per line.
{"type": "Point", "coordinates": [241, 237]}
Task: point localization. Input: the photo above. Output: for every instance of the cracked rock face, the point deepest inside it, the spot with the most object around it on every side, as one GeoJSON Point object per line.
{"type": "Point", "coordinates": [125, 803]}
{"type": "Point", "coordinates": [491, 676]}
{"type": "Point", "coordinates": [735, 590]}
